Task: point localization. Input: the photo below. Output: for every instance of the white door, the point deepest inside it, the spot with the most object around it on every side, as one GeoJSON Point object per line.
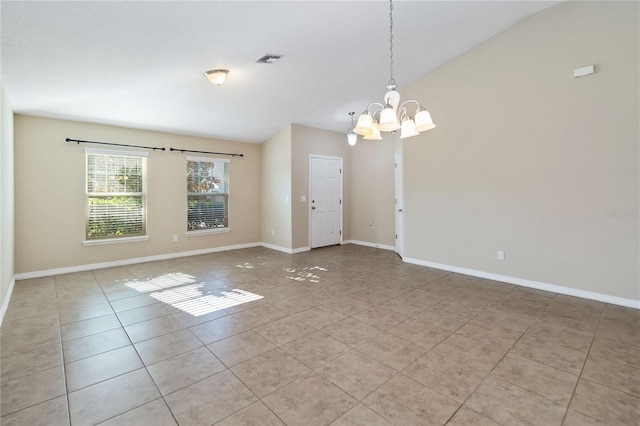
{"type": "Point", "coordinates": [399, 206]}
{"type": "Point", "coordinates": [325, 177]}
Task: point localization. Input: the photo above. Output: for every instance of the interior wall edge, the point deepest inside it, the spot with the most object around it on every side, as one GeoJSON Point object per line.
{"type": "Point", "coordinates": [6, 299]}
{"type": "Point", "coordinates": [369, 244]}
{"type": "Point", "coordinates": [554, 288]}
{"type": "Point", "coordinates": [285, 249]}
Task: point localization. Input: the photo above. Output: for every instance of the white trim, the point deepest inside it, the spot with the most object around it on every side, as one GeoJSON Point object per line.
{"type": "Point", "coordinates": [614, 300]}
{"type": "Point", "coordinates": [277, 248]}
{"type": "Point", "coordinates": [137, 239]}
{"type": "Point", "coordinates": [124, 262]}
{"type": "Point", "coordinates": [311, 157]}
{"type": "Point", "coordinates": [399, 195]}
{"type": "Point", "coordinates": [300, 250]}
{"type": "Point", "coordinates": [207, 232]}
{"type": "Point", "coordinates": [285, 249]}
{"type": "Point", "coordinates": [7, 298]}
{"type": "Point", "coordinates": [208, 159]}
{"type": "Point", "coordinates": [116, 152]}
{"type": "Point", "coordinates": [368, 244]}
{"type": "Point", "coordinates": [569, 291]}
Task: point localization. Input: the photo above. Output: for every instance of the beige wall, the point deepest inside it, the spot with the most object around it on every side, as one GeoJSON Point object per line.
{"type": "Point", "coordinates": [276, 190]}
{"type": "Point", "coordinates": [49, 194]}
{"type": "Point", "coordinates": [6, 201]}
{"type": "Point", "coordinates": [373, 191]}
{"type": "Point", "coordinates": [529, 160]}
{"type": "Point", "coordinates": [307, 141]}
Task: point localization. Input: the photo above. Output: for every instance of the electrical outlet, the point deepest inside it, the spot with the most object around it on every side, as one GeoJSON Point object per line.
{"type": "Point", "coordinates": [175, 238]}
{"type": "Point", "coordinates": [273, 232]}
{"type": "Point", "coordinates": [372, 225]}
{"type": "Point", "coordinates": [500, 255]}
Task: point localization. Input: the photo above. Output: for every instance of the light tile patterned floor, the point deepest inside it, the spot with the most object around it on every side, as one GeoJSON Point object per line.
{"type": "Point", "coordinates": [343, 335]}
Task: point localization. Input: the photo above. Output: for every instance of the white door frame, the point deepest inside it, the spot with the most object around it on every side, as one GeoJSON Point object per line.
{"type": "Point", "coordinates": [399, 203]}
{"type": "Point", "coordinates": [311, 157]}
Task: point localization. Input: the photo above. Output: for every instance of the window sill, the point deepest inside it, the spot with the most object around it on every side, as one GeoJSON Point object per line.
{"type": "Point", "coordinates": [115, 240]}
{"type": "Point", "coordinates": [207, 232]}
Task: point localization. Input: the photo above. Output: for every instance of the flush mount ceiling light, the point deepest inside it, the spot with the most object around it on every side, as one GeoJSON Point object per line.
{"type": "Point", "coordinates": [352, 138]}
{"type": "Point", "coordinates": [392, 115]}
{"type": "Point", "coordinates": [216, 77]}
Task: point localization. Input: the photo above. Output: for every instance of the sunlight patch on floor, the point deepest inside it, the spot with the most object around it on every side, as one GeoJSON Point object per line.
{"type": "Point", "coordinates": [168, 280]}
{"type": "Point", "coordinates": [307, 273]}
{"type": "Point", "coordinates": [246, 265]}
{"type": "Point", "coordinates": [190, 299]}
{"type": "Point", "coordinates": [180, 291]}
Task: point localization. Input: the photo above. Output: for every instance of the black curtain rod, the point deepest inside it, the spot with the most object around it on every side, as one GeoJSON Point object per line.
{"type": "Point", "coordinates": [206, 152]}
{"type": "Point", "coordinates": [78, 141]}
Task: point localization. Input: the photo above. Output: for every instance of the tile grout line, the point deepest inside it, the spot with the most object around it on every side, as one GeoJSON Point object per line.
{"type": "Point", "coordinates": [351, 348]}
{"type": "Point", "coordinates": [494, 367]}
{"type": "Point", "coordinates": [583, 365]}
{"type": "Point", "coordinates": [139, 357]}
{"type": "Point", "coordinates": [64, 365]}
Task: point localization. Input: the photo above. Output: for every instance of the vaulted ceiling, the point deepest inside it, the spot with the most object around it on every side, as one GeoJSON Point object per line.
{"type": "Point", "coordinates": [139, 64]}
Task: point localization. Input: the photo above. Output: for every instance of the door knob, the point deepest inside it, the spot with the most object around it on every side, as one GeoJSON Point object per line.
{"type": "Point", "coordinates": [313, 207]}
{"type": "Point", "coordinates": [399, 210]}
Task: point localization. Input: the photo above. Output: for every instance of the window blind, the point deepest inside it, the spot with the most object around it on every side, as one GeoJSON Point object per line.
{"type": "Point", "coordinates": [207, 193]}
{"type": "Point", "coordinates": [115, 194]}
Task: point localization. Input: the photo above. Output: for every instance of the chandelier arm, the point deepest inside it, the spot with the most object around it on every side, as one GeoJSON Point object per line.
{"type": "Point", "coordinates": [410, 100]}
{"type": "Point", "coordinates": [378, 104]}
{"type": "Point", "coordinates": [376, 111]}
{"type": "Point", "coordinates": [402, 113]}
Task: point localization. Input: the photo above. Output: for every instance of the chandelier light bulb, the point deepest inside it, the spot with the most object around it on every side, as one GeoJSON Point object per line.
{"type": "Point", "coordinates": [363, 126]}
{"type": "Point", "coordinates": [389, 120]}
{"type": "Point", "coordinates": [423, 121]}
{"type": "Point", "coordinates": [352, 138]}
{"type": "Point", "coordinates": [375, 136]}
{"type": "Point", "coordinates": [408, 129]}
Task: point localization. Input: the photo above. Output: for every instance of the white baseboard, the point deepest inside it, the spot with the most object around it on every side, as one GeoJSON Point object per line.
{"type": "Point", "coordinates": [285, 249]}
{"type": "Point", "coordinates": [631, 303]}
{"type": "Point", "coordinates": [569, 291]}
{"type": "Point", "coordinates": [7, 297]}
{"type": "Point", "coordinates": [300, 250]}
{"type": "Point", "coordinates": [368, 244]}
{"type": "Point", "coordinates": [124, 262]}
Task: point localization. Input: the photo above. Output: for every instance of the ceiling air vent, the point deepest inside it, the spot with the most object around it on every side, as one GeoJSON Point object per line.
{"type": "Point", "coordinates": [268, 59]}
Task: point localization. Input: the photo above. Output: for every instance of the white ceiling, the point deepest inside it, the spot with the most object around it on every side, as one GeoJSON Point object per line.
{"type": "Point", "coordinates": [140, 64]}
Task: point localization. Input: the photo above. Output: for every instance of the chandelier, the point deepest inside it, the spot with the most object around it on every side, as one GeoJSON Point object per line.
{"type": "Point", "coordinates": [392, 115]}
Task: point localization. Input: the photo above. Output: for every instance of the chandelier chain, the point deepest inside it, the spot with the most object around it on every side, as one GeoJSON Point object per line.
{"type": "Point", "coordinates": [392, 81]}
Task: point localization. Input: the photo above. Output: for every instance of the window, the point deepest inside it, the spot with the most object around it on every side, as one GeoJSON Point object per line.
{"type": "Point", "coordinates": [207, 194]}
{"type": "Point", "coordinates": [116, 196]}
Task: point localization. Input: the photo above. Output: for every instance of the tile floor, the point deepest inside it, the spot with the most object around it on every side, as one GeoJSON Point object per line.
{"type": "Point", "coordinates": [343, 335]}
